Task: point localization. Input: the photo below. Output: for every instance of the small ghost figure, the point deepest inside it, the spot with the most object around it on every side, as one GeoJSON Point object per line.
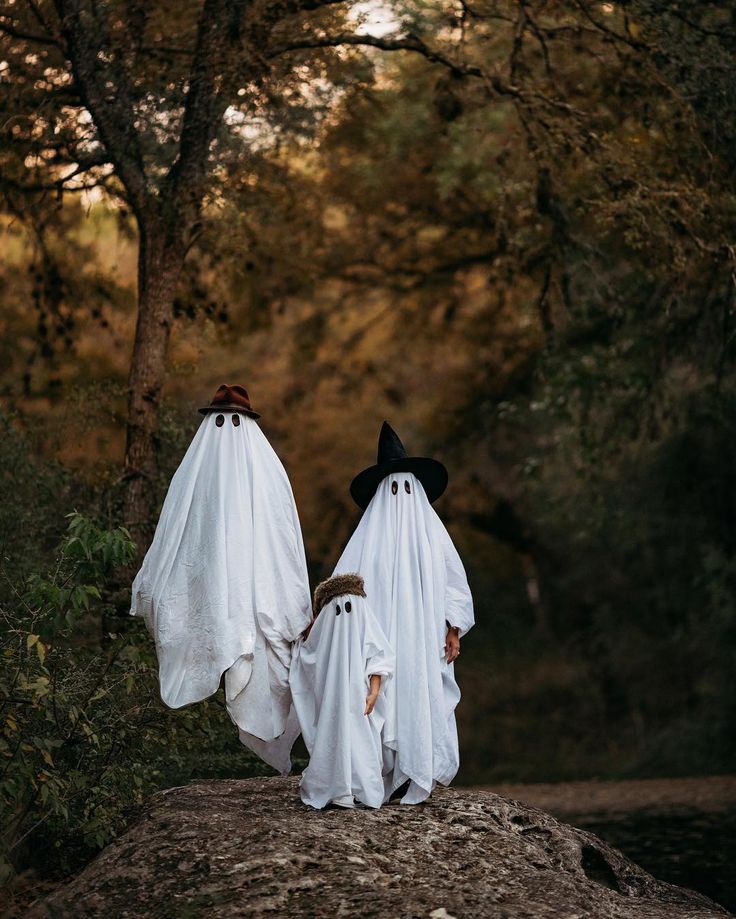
{"type": "Point", "coordinates": [337, 671]}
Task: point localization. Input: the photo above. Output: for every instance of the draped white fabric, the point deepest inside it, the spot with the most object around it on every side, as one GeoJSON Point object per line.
{"type": "Point", "coordinates": [416, 584]}
{"type": "Point", "coordinates": [224, 585]}
{"type": "Point", "coordinates": [329, 681]}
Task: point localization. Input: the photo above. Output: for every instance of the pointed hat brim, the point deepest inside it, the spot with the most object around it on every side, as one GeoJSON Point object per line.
{"type": "Point", "coordinates": [430, 472]}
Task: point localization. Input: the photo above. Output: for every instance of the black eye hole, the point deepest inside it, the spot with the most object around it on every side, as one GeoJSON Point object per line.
{"type": "Point", "coordinates": [220, 420]}
{"type": "Point", "coordinates": [394, 487]}
{"type": "Point", "coordinates": [236, 419]}
{"type": "Point", "coordinates": [337, 609]}
{"type": "Point", "coordinates": [407, 488]}
{"type": "Point", "coordinates": [348, 606]}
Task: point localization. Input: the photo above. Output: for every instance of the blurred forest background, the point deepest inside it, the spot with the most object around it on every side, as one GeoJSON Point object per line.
{"type": "Point", "coordinates": [505, 226]}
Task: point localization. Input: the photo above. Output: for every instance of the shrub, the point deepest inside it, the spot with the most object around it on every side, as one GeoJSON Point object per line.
{"type": "Point", "coordinates": [83, 735]}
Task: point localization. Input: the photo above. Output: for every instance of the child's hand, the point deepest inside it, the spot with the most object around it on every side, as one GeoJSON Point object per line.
{"type": "Point", "coordinates": [374, 687]}
{"type": "Point", "coordinates": [370, 702]}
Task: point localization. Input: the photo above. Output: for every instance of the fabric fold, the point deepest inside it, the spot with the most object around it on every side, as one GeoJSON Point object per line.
{"type": "Point", "coordinates": [329, 683]}
{"type": "Point", "coordinates": [416, 584]}
{"type": "Point", "coordinates": [223, 588]}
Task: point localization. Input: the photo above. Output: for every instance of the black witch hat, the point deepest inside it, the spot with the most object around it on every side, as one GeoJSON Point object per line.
{"type": "Point", "coordinates": [392, 457]}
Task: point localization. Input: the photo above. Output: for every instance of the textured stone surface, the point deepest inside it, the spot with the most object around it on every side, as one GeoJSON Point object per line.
{"type": "Point", "coordinates": [248, 848]}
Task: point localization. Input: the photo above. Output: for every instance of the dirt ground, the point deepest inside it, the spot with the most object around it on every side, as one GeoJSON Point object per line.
{"type": "Point", "coordinates": [708, 794]}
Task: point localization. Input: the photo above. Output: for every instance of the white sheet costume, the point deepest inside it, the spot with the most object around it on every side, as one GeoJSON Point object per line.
{"type": "Point", "coordinates": [329, 680]}
{"type": "Point", "coordinates": [417, 585]}
{"type": "Point", "coordinates": [224, 587]}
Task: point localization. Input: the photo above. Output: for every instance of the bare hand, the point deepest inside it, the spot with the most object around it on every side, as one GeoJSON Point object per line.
{"type": "Point", "coordinates": [370, 702]}
{"type": "Point", "coordinates": [452, 645]}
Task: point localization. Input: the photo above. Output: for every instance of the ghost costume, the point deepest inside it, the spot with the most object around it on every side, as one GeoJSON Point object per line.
{"type": "Point", "coordinates": [329, 680]}
{"type": "Point", "coordinates": [417, 585]}
{"type": "Point", "coordinates": [224, 587]}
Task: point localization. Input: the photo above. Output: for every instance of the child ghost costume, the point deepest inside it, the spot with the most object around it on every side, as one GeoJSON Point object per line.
{"type": "Point", "coordinates": [330, 673]}
{"type": "Point", "coordinates": [418, 588]}
{"type": "Point", "coordinates": [224, 587]}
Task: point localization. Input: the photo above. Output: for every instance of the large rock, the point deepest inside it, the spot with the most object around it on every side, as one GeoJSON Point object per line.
{"type": "Point", "coordinates": [247, 848]}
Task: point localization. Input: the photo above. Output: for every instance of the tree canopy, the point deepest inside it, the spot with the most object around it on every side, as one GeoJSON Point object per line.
{"type": "Point", "coordinates": [507, 227]}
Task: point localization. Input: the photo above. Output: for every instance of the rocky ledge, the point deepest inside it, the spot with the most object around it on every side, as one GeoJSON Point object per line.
{"type": "Point", "coordinates": [250, 847]}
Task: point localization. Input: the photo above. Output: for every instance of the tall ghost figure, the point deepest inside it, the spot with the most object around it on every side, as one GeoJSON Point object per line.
{"type": "Point", "coordinates": [224, 588]}
{"type": "Point", "coordinates": [418, 589]}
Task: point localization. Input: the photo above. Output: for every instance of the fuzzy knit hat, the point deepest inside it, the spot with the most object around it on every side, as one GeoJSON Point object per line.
{"type": "Point", "coordinates": [337, 586]}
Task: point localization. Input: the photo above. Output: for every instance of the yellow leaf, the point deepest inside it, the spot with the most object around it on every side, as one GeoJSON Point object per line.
{"type": "Point", "coordinates": [31, 641]}
{"type": "Point", "coordinates": [47, 757]}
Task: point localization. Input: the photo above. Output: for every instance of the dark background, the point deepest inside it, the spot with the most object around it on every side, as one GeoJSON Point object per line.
{"type": "Point", "coordinates": [535, 287]}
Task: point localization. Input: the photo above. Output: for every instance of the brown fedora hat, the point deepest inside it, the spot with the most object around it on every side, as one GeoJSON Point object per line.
{"type": "Point", "coordinates": [230, 399]}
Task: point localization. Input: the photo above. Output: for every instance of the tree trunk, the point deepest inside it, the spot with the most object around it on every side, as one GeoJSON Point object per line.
{"type": "Point", "coordinates": [159, 264]}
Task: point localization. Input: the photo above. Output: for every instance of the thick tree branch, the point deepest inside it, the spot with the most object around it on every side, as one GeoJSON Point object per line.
{"type": "Point", "coordinates": [111, 106]}
{"type": "Point", "coordinates": [35, 38]}
{"type": "Point", "coordinates": [82, 166]}
{"type": "Point", "coordinates": [218, 39]}
{"type": "Point", "coordinates": [46, 24]}
{"type": "Point", "coordinates": [31, 187]}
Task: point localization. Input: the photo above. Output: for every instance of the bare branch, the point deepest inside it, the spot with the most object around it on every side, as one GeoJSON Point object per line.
{"type": "Point", "coordinates": [111, 108]}
{"type": "Point", "coordinates": [406, 43]}
{"type": "Point", "coordinates": [45, 24]}
{"type": "Point", "coordinates": [28, 187]}
{"type": "Point", "coordinates": [629, 40]}
{"type": "Point", "coordinates": [166, 51]}
{"type": "Point", "coordinates": [204, 105]}
{"type": "Point", "coordinates": [36, 38]}
{"type": "Point", "coordinates": [493, 82]}
{"type": "Point", "coordinates": [307, 5]}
